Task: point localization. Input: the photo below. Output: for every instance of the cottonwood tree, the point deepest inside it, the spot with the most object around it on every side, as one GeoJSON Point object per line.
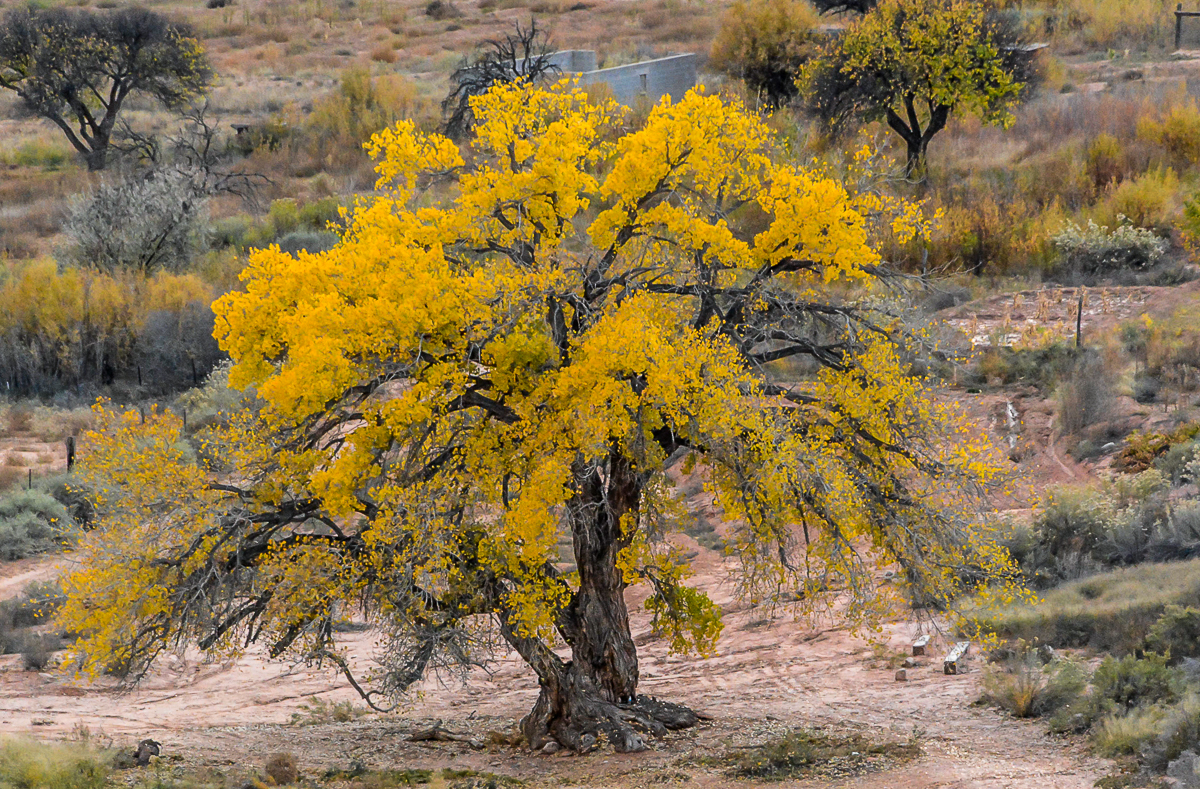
{"type": "Point", "coordinates": [766, 43]}
{"type": "Point", "coordinates": [512, 348]}
{"type": "Point", "coordinates": [78, 68]}
{"type": "Point", "coordinates": [915, 63]}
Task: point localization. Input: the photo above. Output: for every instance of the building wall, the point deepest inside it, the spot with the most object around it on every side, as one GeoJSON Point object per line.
{"type": "Point", "coordinates": [670, 76]}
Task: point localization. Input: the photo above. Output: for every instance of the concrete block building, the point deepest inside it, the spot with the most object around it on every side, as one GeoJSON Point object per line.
{"type": "Point", "coordinates": [671, 76]}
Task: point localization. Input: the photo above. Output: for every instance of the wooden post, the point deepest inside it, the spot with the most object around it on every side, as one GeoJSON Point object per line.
{"type": "Point", "coordinates": [185, 420]}
{"type": "Point", "coordinates": [142, 409]}
{"type": "Point", "coordinates": [30, 485]}
{"type": "Point", "coordinates": [70, 454]}
{"type": "Point", "coordinates": [1178, 24]}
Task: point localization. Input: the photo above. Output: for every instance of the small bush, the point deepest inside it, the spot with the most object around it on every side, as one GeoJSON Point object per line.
{"type": "Point", "coordinates": [1179, 731]}
{"type": "Point", "coordinates": [1175, 461]}
{"type": "Point", "coordinates": [1027, 689]}
{"type": "Point", "coordinates": [1178, 132]}
{"type": "Point", "coordinates": [1127, 734]}
{"type": "Point", "coordinates": [1095, 249]}
{"type": "Point", "coordinates": [442, 9]}
{"type": "Point", "coordinates": [1074, 520]}
{"type": "Point", "coordinates": [308, 241]}
{"type": "Point", "coordinates": [282, 769]}
{"type": "Point", "coordinates": [1130, 682]}
{"type": "Point", "coordinates": [1176, 633]}
{"type": "Point", "coordinates": [1141, 450]}
{"type": "Point", "coordinates": [32, 522]}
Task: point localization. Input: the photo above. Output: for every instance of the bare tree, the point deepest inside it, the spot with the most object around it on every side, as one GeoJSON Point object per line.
{"type": "Point", "coordinates": [520, 56]}
{"type": "Point", "coordinates": [77, 68]}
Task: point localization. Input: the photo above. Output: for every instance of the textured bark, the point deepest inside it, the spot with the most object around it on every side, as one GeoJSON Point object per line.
{"type": "Point", "coordinates": [594, 697]}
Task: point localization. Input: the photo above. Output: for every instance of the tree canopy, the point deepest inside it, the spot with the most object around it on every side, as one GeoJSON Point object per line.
{"type": "Point", "coordinates": [510, 349]}
{"type": "Point", "coordinates": [766, 43]}
{"type": "Point", "coordinates": [77, 68]}
{"type": "Point", "coordinates": [913, 64]}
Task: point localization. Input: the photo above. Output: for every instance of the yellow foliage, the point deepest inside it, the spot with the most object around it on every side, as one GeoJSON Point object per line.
{"type": "Point", "coordinates": [480, 370]}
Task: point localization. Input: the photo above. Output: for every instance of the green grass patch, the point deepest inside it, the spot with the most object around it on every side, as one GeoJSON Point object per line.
{"type": "Point", "coordinates": [1111, 611]}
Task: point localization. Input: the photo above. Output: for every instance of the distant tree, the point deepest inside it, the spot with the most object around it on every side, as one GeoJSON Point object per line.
{"type": "Point", "coordinates": [78, 68]}
{"type": "Point", "coordinates": [144, 222]}
{"type": "Point", "coordinates": [766, 43]}
{"type": "Point", "coordinates": [522, 56]}
{"type": "Point", "coordinates": [914, 64]}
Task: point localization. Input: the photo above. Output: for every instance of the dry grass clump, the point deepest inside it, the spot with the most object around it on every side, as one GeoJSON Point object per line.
{"type": "Point", "coordinates": [26, 764]}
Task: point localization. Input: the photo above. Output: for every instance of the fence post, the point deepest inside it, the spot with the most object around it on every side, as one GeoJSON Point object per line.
{"type": "Point", "coordinates": [70, 453]}
{"type": "Point", "coordinates": [30, 485]}
{"type": "Point", "coordinates": [1178, 24]}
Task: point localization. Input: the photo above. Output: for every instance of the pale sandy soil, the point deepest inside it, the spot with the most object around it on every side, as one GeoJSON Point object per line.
{"type": "Point", "coordinates": [766, 677]}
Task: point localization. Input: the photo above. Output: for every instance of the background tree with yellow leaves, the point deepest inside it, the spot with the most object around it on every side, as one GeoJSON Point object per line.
{"type": "Point", "coordinates": [512, 345]}
{"type": "Point", "coordinates": [913, 64]}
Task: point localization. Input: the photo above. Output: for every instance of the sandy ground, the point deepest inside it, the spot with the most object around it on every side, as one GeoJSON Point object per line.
{"type": "Point", "coordinates": [768, 675]}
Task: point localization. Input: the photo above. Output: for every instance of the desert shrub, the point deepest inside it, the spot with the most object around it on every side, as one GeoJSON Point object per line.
{"type": "Point", "coordinates": [32, 522]}
{"type": "Point", "coordinates": [1177, 633]}
{"type": "Point", "coordinates": [283, 769]}
{"type": "Point", "coordinates": [1105, 163]}
{"type": "Point", "coordinates": [766, 43]}
{"type": "Point", "coordinates": [70, 492]}
{"type": "Point", "coordinates": [1026, 688]}
{"type": "Point", "coordinates": [1127, 734]}
{"type": "Point", "coordinates": [37, 603]}
{"type": "Point", "coordinates": [799, 751]}
{"type": "Point", "coordinates": [308, 241]}
{"type": "Point", "coordinates": [144, 222]}
{"type": "Point", "coordinates": [1149, 201]}
{"type": "Point", "coordinates": [342, 121]}
{"type": "Point", "coordinates": [1142, 450]}
{"type": "Point", "coordinates": [1074, 520]}
{"type": "Point", "coordinates": [319, 711]}
{"type": "Point", "coordinates": [441, 9]}
{"type": "Point", "coordinates": [1130, 681]}
{"type": "Point", "coordinates": [26, 764]}
{"type": "Point", "coordinates": [1095, 249]}
{"type": "Point", "coordinates": [1146, 388]}
{"type": "Point", "coordinates": [1044, 366]}
{"type": "Point", "coordinates": [1174, 462]}
{"type": "Point", "coordinates": [1178, 131]}
{"type": "Point", "coordinates": [1179, 731]}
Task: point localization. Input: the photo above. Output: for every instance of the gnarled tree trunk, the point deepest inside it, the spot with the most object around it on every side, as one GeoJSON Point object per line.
{"type": "Point", "coordinates": [595, 695]}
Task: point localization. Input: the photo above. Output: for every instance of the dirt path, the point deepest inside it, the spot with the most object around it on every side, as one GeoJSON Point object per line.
{"type": "Point", "coordinates": [767, 676]}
